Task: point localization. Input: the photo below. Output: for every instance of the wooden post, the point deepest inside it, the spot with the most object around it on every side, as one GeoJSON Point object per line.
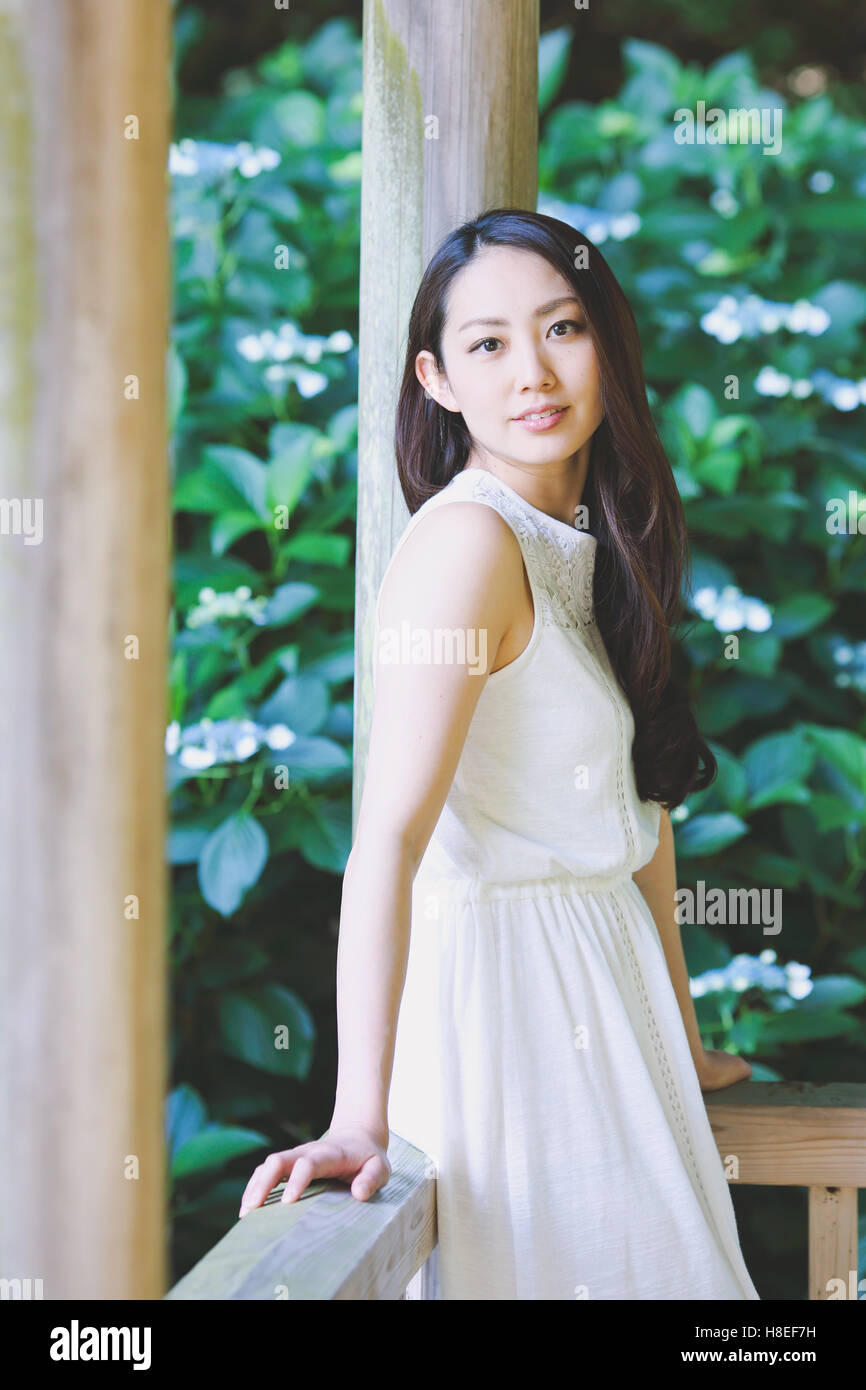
{"type": "Point", "coordinates": [84, 549]}
{"type": "Point", "coordinates": [832, 1242]}
{"type": "Point", "coordinates": [450, 129]}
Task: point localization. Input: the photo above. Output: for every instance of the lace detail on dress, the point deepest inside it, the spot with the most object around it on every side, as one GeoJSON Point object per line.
{"type": "Point", "coordinates": [562, 572]}
{"type": "Point", "coordinates": [661, 1055]}
{"type": "Point", "coordinates": [623, 749]}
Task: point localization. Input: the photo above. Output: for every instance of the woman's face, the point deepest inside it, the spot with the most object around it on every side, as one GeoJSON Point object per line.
{"type": "Point", "coordinates": [515, 343]}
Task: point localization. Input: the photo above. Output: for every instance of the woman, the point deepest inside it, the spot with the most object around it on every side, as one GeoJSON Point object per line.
{"type": "Point", "coordinates": [534, 1032]}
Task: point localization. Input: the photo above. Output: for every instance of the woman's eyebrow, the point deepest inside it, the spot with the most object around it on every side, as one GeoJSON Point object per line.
{"type": "Point", "coordinates": [538, 313]}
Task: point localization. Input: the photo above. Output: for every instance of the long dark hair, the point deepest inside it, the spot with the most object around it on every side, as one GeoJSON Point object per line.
{"type": "Point", "coordinates": [633, 501]}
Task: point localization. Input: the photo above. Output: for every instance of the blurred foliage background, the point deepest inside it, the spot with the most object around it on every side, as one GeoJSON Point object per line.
{"type": "Point", "coordinates": [745, 273]}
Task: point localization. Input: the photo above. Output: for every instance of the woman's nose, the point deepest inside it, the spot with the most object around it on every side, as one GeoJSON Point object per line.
{"type": "Point", "coordinates": [532, 371]}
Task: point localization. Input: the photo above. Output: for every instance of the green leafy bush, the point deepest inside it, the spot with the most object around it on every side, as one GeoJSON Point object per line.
{"type": "Point", "coordinates": [262, 382]}
{"type": "Point", "coordinates": [751, 317]}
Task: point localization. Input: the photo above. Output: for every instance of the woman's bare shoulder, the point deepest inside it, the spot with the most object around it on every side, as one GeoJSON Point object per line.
{"type": "Point", "coordinates": [458, 555]}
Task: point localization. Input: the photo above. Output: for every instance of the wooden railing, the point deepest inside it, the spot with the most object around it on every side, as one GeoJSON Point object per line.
{"type": "Point", "coordinates": [327, 1245]}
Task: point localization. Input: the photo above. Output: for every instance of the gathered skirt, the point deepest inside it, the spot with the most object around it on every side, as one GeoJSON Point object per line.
{"type": "Point", "coordinates": [542, 1064]}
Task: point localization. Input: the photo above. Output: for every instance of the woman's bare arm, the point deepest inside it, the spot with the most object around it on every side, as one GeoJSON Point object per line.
{"type": "Point", "coordinates": [459, 570]}
{"type": "Point", "coordinates": [657, 881]}
{"type": "Point", "coordinates": [459, 574]}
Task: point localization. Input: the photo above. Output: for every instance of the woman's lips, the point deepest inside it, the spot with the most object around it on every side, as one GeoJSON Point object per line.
{"type": "Point", "coordinates": [545, 422]}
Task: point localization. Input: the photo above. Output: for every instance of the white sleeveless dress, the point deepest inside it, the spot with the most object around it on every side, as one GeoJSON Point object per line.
{"type": "Point", "coordinates": [541, 1058]}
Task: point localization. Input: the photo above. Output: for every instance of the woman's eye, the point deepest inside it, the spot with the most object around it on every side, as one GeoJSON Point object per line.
{"type": "Point", "coordinates": [566, 323]}
{"type": "Point", "coordinates": [490, 344]}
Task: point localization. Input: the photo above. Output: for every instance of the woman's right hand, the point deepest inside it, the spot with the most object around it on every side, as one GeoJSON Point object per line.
{"type": "Point", "coordinates": [350, 1152]}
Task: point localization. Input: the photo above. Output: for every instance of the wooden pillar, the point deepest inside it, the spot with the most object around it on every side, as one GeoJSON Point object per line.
{"type": "Point", "coordinates": [450, 130]}
{"type": "Point", "coordinates": [832, 1242]}
{"type": "Point", "coordinates": [84, 548]}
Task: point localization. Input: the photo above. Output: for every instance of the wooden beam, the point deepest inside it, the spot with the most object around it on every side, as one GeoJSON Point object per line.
{"type": "Point", "coordinates": [450, 129]}
{"type": "Point", "coordinates": [327, 1245]}
{"type": "Point", "coordinates": [84, 261]}
{"type": "Point", "coordinates": [792, 1134]}
{"type": "Point", "coordinates": [832, 1243]}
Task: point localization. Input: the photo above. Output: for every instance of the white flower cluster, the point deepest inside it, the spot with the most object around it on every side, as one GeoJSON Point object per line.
{"type": "Point", "coordinates": [745, 972]}
{"type": "Point", "coordinates": [211, 607]}
{"type": "Point", "coordinates": [619, 226]}
{"type": "Point", "coordinates": [838, 391]}
{"type": "Point", "coordinates": [752, 316]}
{"type": "Point", "coordinates": [289, 342]}
{"type": "Point", "coordinates": [595, 223]}
{"type": "Point", "coordinates": [190, 157]}
{"type": "Point", "coordinates": [729, 610]}
{"type": "Point", "coordinates": [853, 659]}
{"type": "Point", "coordinates": [222, 741]}
{"type": "Point", "coordinates": [769, 382]}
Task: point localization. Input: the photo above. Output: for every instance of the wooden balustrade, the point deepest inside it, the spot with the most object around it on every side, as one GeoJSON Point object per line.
{"type": "Point", "coordinates": [327, 1245]}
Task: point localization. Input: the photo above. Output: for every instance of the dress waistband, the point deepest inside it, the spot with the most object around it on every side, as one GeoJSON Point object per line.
{"type": "Point", "coordinates": [482, 890]}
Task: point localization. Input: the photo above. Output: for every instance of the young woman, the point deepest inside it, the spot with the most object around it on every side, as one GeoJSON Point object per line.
{"type": "Point", "coordinates": [512, 992]}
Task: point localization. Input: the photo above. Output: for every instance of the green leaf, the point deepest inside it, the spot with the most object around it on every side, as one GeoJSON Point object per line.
{"type": "Point", "coordinates": [288, 602]}
{"type": "Point", "coordinates": [269, 1028]}
{"type": "Point", "coordinates": [553, 53]}
{"type": "Point", "coordinates": [229, 527]}
{"type": "Point", "coordinates": [798, 1025]}
{"type": "Point", "coordinates": [325, 837]}
{"type": "Point", "coordinates": [833, 992]}
{"type": "Point", "coordinates": [725, 702]}
{"type": "Point", "coordinates": [776, 869]}
{"type": "Point", "coordinates": [300, 118]}
{"type": "Point", "coordinates": [185, 1115]}
{"type": "Point", "coordinates": [776, 767]}
{"type": "Point", "coordinates": [294, 449]}
{"type": "Point", "coordinates": [320, 550]}
{"type": "Point", "coordinates": [186, 842]}
{"type": "Point", "coordinates": [719, 470]}
{"type": "Point", "coordinates": [702, 950]}
{"type": "Point", "coordinates": [231, 960]}
{"type": "Point", "coordinates": [315, 757]}
{"type": "Point", "coordinates": [800, 613]}
{"type": "Point", "coordinates": [730, 786]}
{"type": "Point", "coordinates": [243, 471]}
{"type": "Point", "coordinates": [695, 405]}
{"type": "Point", "coordinates": [204, 490]}
{"type": "Point", "coordinates": [705, 835]}
{"type": "Point", "coordinates": [829, 215]}
{"type": "Point", "coordinates": [213, 1147]}
{"type": "Point", "coordinates": [231, 862]}
{"type": "Point", "coordinates": [760, 652]}
{"type": "Point", "coordinates": [302, 702]}
{"type": "Point", "coordinates": [835, 813]}
{"type": "Point", "coordinates": [844, 750]}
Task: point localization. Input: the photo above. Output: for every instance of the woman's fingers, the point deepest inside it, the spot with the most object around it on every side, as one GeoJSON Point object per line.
{"type": "Point", "coordinates": [316, 1160]}
{"type": "Point", "coordinates": [374, 1174]}
{"type": "Point", "coordinates": [264, 1178]}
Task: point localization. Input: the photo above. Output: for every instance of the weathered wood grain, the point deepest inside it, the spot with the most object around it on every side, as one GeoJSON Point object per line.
{"type": "Point", "coordinates": [473, 69]}
{"type": "Point", "coordinates": [327, 1245]}
{"type": "Point", "coordinates": [84, 264]}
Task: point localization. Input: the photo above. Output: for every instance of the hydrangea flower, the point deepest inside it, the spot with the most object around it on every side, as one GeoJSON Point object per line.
{"type": "Point", "coordinates": [853, 660]}
{"type": "Point", "coordinates": [840, 392]}
{"type": "Point", "coordinates": [748, 972]}
{"type": "Point", "coordinates": [597, 223]}
{"type": "Point", "coordinates": [753, 316]}
{"type": "Point", "coordinates": [212, 607]}
{"type": "Point", "coordinates": [280, 348]}
{"type": "Point", "coordinates": [212, 741]}
{"type": "Point", "coordinates": [189, 157]}
{"type": "Point", "coordinates": [729, 610]}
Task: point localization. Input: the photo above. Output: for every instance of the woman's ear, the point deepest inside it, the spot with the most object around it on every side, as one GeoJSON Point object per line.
{"type": "Point", "coordinates": [435, 383]}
